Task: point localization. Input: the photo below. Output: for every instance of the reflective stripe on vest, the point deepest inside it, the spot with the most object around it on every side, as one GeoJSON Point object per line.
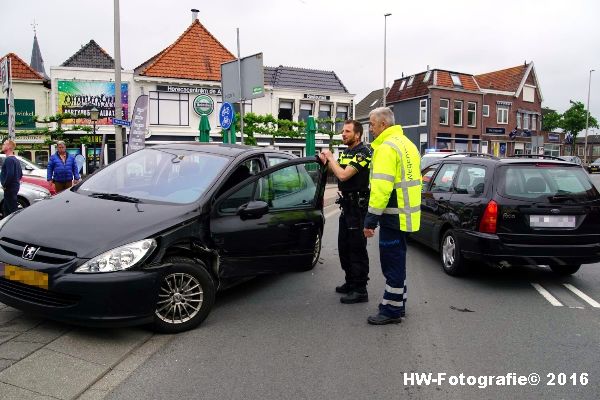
{"type": "Point", "coordinates": [407, 210]}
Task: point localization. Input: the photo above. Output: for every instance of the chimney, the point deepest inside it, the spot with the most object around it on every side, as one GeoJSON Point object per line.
{"type": "Point", "coordinates": [194, 14]}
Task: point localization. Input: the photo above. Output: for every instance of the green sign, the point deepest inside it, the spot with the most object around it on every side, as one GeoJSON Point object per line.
{"type": "Point", "coordinates": [257, 90]}
{"type": "Point", "coordinates": [24, 110]}
{"type": "Point", "coordinates": [203, 105]}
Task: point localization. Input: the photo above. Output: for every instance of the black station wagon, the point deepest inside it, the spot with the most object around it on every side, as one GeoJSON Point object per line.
{"type": "Point", "coordinates": [534, 210]}
{"type": "Point", "coordinates": [152, 237]}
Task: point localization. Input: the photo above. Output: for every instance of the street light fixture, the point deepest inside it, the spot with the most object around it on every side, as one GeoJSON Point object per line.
{"type": "Point", "coordinates": [94, 114]}
{"type": "Point", "coordinates": [587, 119]}
{"type": "Point", "coordinates": [384, 53]}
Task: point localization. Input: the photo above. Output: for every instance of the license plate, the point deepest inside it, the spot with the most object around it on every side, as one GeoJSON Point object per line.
{"type": "Point", "coordinates": [552, 221]}
{"type": "Point", "coordinates": [26, 276]}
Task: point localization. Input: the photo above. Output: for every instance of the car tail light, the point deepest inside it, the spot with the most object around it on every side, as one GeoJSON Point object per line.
{"type": "Point", "coordinates": [490, 218]}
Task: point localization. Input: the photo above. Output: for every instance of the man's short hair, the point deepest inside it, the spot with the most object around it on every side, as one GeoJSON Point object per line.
{"type": "Point", "coordinates": [11, 143]}
{"type": "Point", "coordinates": [356, 126]}
{"type": "Point", "coordinates": [59, 143]}
{"type": "Point", "coordinates": [384, 114]}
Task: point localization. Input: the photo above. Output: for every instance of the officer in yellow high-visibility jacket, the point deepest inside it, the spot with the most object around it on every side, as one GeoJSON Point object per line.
{"type": "Point", "coordinates": [394, 205]}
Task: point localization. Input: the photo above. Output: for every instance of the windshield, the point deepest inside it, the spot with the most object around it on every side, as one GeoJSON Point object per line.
{"type": "Point", "coordinates": [551, 182]}
{"type": "Point", "coordinates": [170, 175]}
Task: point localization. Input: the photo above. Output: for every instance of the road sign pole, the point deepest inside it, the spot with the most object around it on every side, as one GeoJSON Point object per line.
{"type": "Point", "coordinates": [240, 80]}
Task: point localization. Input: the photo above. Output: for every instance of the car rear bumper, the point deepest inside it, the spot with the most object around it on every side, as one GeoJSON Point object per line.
{"type": "Point", "coordinates": [121, 298]}
{"type": "Point", "coordinates": [489, 248]}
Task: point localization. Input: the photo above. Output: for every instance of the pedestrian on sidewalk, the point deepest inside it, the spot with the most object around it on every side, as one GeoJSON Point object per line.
{"type": "Point", "coordinates": [62, 168]}
{"type": "Point", "coordinates": [10, 177]}
{"type": "Point", "coordinates": [394, 205]}
{"type": "Point", "coordinates": [352, 172]}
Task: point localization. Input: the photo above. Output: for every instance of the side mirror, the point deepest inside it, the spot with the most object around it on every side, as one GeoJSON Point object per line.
{"type": "Point", "coordinates": [253, 210]}
{"type": "Point", "coordinates": [29, 168]}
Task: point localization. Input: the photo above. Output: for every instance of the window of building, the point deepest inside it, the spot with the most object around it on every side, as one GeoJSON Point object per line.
{"type": "Point", "coordinates": [525, 121]}
{"type": "Point", "coordinates": [486, 110]}
{"type": "Point", "coordinates": [518, 120]}
{"type": "Point", "coordinates": [580, 151]}
{"type": "Point", "coordinates": [533, 123]}
{"type": "Point", "coordinates": [286, 110]}
{"type": "Point", "coordinates": [373, 103]}
{"type": "Point", "coordinates": [444, 105]}
{"type": "Point", "coordinates": [341, 113]}
{"type": "Point", "coordinates": [325, 113]}
{"type": "Point", "coordinates": [528, 147]}
{"type": "Point", "coordinates": [456, 80]}
{"type": "Point", "coordinates": [427, 75]}
{"type": "Point", "coordinates": [306, 109]}
{"type": "Point", "coordinates": [502, 115]}
{"type": "Point", "coordinates": [471, 114]}
{"type": "Point", "coordinates": [551, 150]}
{"type": "Point", "coordinates": [411, 80]}
{"type": "Point", "coordinates": [423, 112]}
{"type": "Point", "coordinates": [402, 84]}
{"type": "Point", "coordinates": [458, 108]}
{"type": "Point", "coordinates": [461, 143]}
{"type": "Point", "coordinates": [168, 108]}
{"type": "Point", "coordinates": [528, 94]}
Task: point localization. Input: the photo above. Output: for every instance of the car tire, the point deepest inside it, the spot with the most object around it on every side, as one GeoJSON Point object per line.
{"type": "Point", "coordinates": [564, 270]}
{"type": "Point", "coordinates": [316, 253]}
{"type": "Point", "coordinates": [185, 296]}
{"type": "Point", "coordinates": [453, 263]}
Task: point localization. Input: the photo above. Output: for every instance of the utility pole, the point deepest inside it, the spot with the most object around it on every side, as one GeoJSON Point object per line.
{"type": "Point", "coordinates": [384, 53]}
{"type": "Point", "coordinates": [241, 95]}
{"type": "Point", "coordinates": [587, 119]}
{"type": "Point", "coordinates": [118, 105]}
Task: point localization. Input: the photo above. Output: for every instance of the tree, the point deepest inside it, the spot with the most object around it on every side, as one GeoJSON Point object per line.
{"type": "Point", "coordinates": [574, 121]}
{"type": "Point", "coordinates": [551, 120]}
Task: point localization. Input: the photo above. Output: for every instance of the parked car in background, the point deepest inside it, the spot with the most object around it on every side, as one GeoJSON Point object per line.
{"type": "Point", "coordinates": [572, 159]}
{"type": "Point", "coordinates": [27, 166]}
{"type": "Point", "coordinates": [39, 181]}
{"type": "Point", "coordinates": [28, 194]}
{"type": "Point", "coordinates": [528, 210]}
{"type": "Point", "coordinates": [151, 237]}
{"type": "Point", "coordinates": [432, 156]}
{"type": "Point", "coordinates": [594, 166]}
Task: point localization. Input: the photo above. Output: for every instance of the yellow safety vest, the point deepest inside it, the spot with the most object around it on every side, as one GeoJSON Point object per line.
{"type": "Point", "coordinates": [396, 180]}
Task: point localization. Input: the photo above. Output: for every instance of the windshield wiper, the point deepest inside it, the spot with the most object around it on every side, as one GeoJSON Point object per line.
{"type": "Point", "coordinates": [116, 197]}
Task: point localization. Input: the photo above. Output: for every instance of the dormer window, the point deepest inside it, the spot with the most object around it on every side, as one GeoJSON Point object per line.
{"type": "Point", "coordinates": [411, 80]}
{"type": "Point", "coordinates": [402, 84]}
{"type": "Point", "coordinates": [456, 80]}
{"type": "Point", "coordinates": [427, 75]}
{"type": "Point", "coordinates": [373, 103]}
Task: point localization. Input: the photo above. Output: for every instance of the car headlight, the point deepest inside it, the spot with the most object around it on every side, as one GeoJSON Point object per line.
{"type": "Point", "coordinates": [119, 259]}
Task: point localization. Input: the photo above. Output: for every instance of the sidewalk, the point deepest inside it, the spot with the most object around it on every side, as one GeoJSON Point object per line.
{"type": "Point", "coordinates": [330, 194]}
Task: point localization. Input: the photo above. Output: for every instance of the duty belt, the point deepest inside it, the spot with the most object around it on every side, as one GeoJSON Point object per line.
{"type": "Point", "coordinates": [356, 199]}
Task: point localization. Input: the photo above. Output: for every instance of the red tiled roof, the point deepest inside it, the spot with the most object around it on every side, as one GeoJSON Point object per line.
{"type": "Point", "coordinates": [21, 70]}
{"type": "Point", "coordinates": [506, 79]}
{"type": "Point", "coordinates": [444, 79]}
{"type": "Point", "coordinates": [417, 89]}
{"type": "Point", "coordinates": [196, 54]}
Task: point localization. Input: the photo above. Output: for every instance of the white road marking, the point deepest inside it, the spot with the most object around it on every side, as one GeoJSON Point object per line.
{"type": "Point", "coordinates": [583, 296]}
{"type": "Point", "coordinates": [546, 294]}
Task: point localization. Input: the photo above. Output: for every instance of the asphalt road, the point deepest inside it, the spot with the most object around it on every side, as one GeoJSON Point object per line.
{"type": "Point", "coordinates": [289, 337]}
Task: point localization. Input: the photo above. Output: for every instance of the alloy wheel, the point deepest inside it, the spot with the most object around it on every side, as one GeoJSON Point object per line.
{"type": "Point", "coordinates": [179, 299]}
{"type": "Point", "coordinates": [448, 250]}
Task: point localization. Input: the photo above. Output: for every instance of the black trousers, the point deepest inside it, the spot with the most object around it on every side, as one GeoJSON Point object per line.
{"type": "Point", "coordinates": [10, 203]}
{"type": "Point", "coordinates": [352, 246]}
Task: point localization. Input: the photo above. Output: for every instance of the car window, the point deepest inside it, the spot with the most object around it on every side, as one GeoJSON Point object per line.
{"type": "Point", "coordinates": [443, 179]}
{"type": "Point", "coordinates": [273, 161]}
{"type": "Point", "coordinates": [236, 199]}
{"type": "Point", "coordinates": [531, 181]}
{"type": "Point", "coordinates": [427, 175]}
{"type": "Point", "coordinates": [288, 187]}
{"type": "Point", "coordinates": [471, 179]}
{"type": "Point", "coordinates": [253, 165]}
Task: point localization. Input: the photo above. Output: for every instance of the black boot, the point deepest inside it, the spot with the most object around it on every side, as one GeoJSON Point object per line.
{"type": "Point", "coordinates": [345, 288]}
{"type": "Point", "coordinates": [355, 297]}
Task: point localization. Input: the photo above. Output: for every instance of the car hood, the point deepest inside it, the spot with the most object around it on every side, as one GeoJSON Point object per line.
{"type": "Point", "coordinates": [89, 226]}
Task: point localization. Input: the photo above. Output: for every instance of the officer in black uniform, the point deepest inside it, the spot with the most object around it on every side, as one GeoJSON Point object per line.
{"type": "Point", "coordinates": [352, 171]}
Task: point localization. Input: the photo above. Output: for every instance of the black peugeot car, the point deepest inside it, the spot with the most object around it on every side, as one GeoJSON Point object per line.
{"type": "Point", "coordinates": [152, 237]}
{"type": "Point", "coordinates": [538, 210]}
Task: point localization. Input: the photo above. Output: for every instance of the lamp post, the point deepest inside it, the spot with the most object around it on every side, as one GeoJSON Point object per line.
{"type": "Point", "coordinates": [384, 52]}
{"type": "Point", "coordinates": [587, 119]}
{"type": "Point", "coordinates": [94, 114]}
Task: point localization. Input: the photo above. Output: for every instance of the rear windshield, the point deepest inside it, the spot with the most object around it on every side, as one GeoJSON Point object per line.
{"type": "Point", "coordinates": [551, 182]}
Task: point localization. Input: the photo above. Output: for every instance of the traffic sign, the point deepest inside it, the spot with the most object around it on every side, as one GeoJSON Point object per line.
{"type": "Point", "coordinates": [226, 115]}
{"type": "Point", "coordinates": [121, 122]}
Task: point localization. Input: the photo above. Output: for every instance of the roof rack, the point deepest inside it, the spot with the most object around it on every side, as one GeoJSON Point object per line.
{"type": "Point", "coordinates": [472, 154]}
{"type": "Point", "coordinates": [535, 156]}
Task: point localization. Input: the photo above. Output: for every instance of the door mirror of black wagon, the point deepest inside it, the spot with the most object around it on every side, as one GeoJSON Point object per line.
{"type": "Point", "coordinates": [253, 210]}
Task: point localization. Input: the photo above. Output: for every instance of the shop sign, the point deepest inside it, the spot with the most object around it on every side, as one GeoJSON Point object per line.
{"type": "Point", "coordinates": [553, 137]}
{"type": "Point", "coordinates": [189, 89]}
{"type": "Point", "coordinates": [24, 113]}
{"type": "Point", "coordinates": [495, 131]}
{"type": "Point", "coordinates": [316, 96]}
{"type": "Point", "coordinates": [77, 97]}
{"type": "Point", "coordinates": [203, 105]}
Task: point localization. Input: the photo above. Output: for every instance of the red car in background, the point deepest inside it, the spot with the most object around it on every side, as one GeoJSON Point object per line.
{"type": "Point", "coordinates": [36, 180]}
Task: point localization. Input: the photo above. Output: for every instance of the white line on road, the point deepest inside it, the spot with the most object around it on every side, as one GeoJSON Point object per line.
{"type": "Point", "coordinates": [583, 296]}
{"type": "Point", "coordinates": [547, 295]}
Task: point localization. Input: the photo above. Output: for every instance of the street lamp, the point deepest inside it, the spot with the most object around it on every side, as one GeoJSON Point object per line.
{"type": "Point", "coordinates": [94, 114]}
{"type": "Point", "coordinates": [587, 119]}
{"type": "Point", "coordinates": [384, 52]}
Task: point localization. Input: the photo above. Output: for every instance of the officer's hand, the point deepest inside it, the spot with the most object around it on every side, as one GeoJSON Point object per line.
{"type": "Point", "coordinates": [322, 158]}
{"type": "Point", "coordinates": [326, 153]}
{"type": "Point", "coordinates": [369, 233]}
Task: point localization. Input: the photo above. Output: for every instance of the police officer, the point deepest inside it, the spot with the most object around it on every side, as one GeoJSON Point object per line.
{"type": "Point", "coordinates": [352, 171]}
{"type": "Point", "coordinates": [394, 205]}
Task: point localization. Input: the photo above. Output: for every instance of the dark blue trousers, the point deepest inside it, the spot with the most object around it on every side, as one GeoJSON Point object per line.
{"type": "Point", "coordinates": [10, 203]}
{"type": "Point", "coordinates": [392, 255]}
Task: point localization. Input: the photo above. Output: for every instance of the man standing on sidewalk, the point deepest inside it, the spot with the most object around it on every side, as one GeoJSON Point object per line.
{"type": "Point", "coordinates": [352, 173]}
{"type": "Point", "coordinates": [10, 177]}
{"type": "Point", "coordinates": [394, 205]}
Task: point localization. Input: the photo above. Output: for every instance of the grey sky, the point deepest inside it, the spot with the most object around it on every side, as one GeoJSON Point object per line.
{"type": "Point", "coordinates": [472, 36]}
